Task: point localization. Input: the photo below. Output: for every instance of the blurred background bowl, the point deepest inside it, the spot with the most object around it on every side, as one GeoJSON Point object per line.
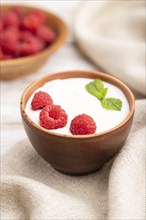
{"type": "Point", "coordinates": [17, 67]}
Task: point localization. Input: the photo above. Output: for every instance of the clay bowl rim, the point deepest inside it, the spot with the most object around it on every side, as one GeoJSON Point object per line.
{"type": "Point", "coordinates": [86, 75]}
{"type": "Point", "coordinates": [46, 51]}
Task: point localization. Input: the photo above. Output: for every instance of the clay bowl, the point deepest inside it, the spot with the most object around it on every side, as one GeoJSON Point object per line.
{"type": "Point", "coordinates": [77, 155]}
{"type": "Point", "coordinates": [17, 67]}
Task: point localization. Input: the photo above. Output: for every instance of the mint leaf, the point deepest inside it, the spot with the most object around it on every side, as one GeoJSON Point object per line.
{"type": "Point", "coordinates": [97, 89]}
{"type": "Point", "coordinates": [112, 104]}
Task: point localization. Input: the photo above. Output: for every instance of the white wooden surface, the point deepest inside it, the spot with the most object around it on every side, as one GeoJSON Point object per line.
{"type": "Point", "coordinates": [66, 58]}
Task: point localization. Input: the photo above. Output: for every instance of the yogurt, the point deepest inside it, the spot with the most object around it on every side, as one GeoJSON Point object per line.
{"type": "Point", "coordinates": [72, 96]}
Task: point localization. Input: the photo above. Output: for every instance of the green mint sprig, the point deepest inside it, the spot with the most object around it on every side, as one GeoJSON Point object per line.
{"type": "Point", "coordinates": [97, 89]}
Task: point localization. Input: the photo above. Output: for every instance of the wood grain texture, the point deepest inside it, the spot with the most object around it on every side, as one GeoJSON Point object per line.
{"type": "Point", "coordinates": [66, 58]}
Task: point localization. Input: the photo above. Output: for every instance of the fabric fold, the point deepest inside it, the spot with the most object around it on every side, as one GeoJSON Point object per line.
{"type": "Point", "coordinates": [111, 34]}
{"type": "Point", "coordinates": [32, 189]}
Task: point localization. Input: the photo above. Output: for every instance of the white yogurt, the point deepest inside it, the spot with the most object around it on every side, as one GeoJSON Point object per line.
{"type": "Point", "coordinates": [72, 96]}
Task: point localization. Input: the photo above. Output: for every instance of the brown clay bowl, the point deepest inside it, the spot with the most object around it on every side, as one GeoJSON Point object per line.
{"type": "Point", "coordinates": [77, 155]}
{"type": "Point", "coordinates": [17, 67]}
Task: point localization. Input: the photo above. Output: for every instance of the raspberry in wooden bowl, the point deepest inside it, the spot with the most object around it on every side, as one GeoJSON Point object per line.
{"type": "Point", "coordinates": [28, 37]}
{"type": "Point", "coordinates": [77, 120]}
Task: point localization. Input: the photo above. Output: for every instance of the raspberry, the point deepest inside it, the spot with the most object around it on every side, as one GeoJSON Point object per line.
{"type": "Point", "coordinates": [9, 43]}
{"type": "Point", "coordinates": [4, 56]}
{"type": "Point", "coordinates": [10, 18]}
{"type": "Point", "coordinates": [82, 124]}
{"type": "Point", "coordinates": [53, 117]}
{"type": "Point", "coordinates": [18, 11]}
{"type": "Point", "coordinates": [30, 23]}
{"type": "Point", "coordinates": [1, 54]}
{"type": "Point", "coordinates": [40, 15]}
{"type": "Point", "coordinates": [18, 29]}
{"type": "Point", "coordinates": [1, 25]}
{"type": "Point", "coordinates": [46, 34]}
{"type": "Point", "coordinates": [14, 31]}
{"type": "Point", "coordinates": [24, 36]}
{"type": "Point", "coordinates": [30, 45]}
{"type": "Point", "coordinates": [40, 100]}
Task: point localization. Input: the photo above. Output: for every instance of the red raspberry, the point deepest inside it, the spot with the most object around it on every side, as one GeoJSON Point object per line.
{"type": "Point", "coordinates": [1, 25]}
{"type": "Point", "coordinates": [53, 117]}
{"type": "Point", "coordinates": [7, 57]}
{"type": "Point", "coordinates": [46, 34]}
{"type": "Point", "coordinates": [9, 41]}
{"type": "Point", "coordinates": [4, 56]}
{"type": "Point", "coordinates": [24, 36]}
{"type": "Point", "coordinates": [11, 18]}
{"type": "Point", "coordinates": [41, 16]}
{"type": "Point", "coordinates": [31, 46]}
{"type": "Point", "coordinates": [13, 30]}
{"type": "Point", "coordinates": [40, 100]}
{"type": "Point", "coordinates": [82, 124]}
{"type": "Point", "coordinates": [1, 54]}
{"type": "Point", "coordinates": [31, 22]}
{"type": "Point", "coordinates": [18, 11]}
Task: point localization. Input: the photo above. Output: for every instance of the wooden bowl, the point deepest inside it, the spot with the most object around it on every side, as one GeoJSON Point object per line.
{"type": "Point", "coordinates": [17, 67]}
{"type": "Point", "coordinates": [77, 155]}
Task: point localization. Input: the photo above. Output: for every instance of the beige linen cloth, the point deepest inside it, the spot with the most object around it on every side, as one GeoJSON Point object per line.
{"type": "Point", "coordinates": [112, 35]}
{"type": "Point", "coordinates": [32, 189]}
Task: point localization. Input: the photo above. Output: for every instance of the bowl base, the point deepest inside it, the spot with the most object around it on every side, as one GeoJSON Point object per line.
{"type": "Point", "coordinates": [70, 173]}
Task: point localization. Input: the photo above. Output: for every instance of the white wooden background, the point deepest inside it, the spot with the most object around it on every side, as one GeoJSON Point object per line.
{"type": "Point", "coordinates": [66, 58]}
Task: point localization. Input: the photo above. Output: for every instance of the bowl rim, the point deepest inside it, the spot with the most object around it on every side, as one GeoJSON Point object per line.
{"type": "Point", "coordinates": [59, 40]}
{"type": "Point", "coordinates": [109, 131]}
